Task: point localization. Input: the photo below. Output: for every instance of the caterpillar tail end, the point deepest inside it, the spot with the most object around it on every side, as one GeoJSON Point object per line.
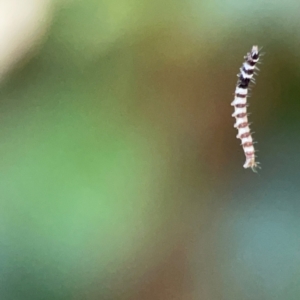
{"type": "Point", "coordinates": [251, 163]}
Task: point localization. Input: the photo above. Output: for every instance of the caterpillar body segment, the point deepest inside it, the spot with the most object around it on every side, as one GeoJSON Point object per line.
{"type": "Point", "coordinates": [240, 107]}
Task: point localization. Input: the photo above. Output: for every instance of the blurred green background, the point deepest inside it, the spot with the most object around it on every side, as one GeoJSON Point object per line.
{"type": "Point", "coordinates": [120, 173]}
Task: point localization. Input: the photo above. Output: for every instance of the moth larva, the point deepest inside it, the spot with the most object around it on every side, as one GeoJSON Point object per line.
{"type": "Point", "coordinates": [240, 107]}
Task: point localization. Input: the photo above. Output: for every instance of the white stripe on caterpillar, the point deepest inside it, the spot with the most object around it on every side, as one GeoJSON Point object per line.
{"type": "Point", "coordinates": [240, 107]}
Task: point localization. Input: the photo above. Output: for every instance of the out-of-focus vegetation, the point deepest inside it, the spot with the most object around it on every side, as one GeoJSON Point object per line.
{"type": "Point", "coordinates": [120, 173]}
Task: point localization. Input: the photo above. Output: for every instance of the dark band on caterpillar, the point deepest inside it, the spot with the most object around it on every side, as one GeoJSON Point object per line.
{"type": "Point", "coordinates": [244, 82]}
{"type": "Point", "coordinates": [249, 72]}
{"type": "Point", "coordinates": [245, 135]}
{"type": "Point", "coordinates": [247, 144]}
{"type": "Point", "coordinates": [249, 154]}
{"type": "Point", "coordinates": [240, 106]}
{"type": "Point", "coordinates": [251, 63]}
{"type": "Point", "coordinates": [243, 125]}
{"type": "Point", "coordinates": [241, 95]}
{"type": "Point", "coordinates": [242, 115]}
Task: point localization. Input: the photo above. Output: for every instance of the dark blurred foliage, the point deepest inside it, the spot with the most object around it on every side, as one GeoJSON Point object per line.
{"type": "Point", "coordinates": [120, 173]}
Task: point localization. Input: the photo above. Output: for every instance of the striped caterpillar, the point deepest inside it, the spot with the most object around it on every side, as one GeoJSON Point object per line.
{"type": "Point", "coordinates": [240, 107]}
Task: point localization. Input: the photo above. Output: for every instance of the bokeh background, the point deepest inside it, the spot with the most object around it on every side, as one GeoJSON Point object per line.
{"type": "Point", "coordinates": [120, 174]}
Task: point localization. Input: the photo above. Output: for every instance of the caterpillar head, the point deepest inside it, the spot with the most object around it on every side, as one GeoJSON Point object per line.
{"type": "Point", "coordinates": [254, 53]}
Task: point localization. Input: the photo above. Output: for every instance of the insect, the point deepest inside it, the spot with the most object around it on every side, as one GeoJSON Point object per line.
{"type": "Point", "coordinates": [240, 107]}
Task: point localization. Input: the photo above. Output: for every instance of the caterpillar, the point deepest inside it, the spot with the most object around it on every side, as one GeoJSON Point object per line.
{"type": "Point", "coordinates": [240, 107]}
